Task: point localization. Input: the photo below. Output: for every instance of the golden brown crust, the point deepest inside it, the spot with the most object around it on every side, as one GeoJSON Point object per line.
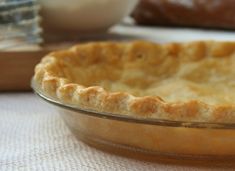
{"type": "Point", "coordinates": [62, 74]}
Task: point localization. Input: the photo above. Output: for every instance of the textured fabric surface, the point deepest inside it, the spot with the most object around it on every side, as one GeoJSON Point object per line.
{"type": "Point", "coordinates": [34, 137]}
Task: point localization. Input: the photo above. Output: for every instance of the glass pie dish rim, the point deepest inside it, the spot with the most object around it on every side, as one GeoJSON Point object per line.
{"type": "Point", "coordinates": [128, 118]}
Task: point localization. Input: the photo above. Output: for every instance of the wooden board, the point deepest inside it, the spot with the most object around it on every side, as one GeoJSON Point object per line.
{"type": "Point", "coordinates": [17, 68]}
{"type": "Point", "coordinates": [17, 63]}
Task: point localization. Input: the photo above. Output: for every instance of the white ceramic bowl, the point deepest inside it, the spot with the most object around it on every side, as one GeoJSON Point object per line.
{"type": "Point", "coordinates": [84, 15]}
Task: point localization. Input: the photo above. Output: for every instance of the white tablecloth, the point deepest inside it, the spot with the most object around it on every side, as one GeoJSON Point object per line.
{"type": "Point", "coordinates": [33, 137]}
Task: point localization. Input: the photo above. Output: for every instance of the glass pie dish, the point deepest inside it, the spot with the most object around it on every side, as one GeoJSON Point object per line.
{"type": "Point", "coordinates": [147, 137]}
{"type": "Point", "coordinates": [112, 95]}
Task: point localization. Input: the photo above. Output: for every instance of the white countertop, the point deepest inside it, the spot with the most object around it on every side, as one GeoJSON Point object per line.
{"type": "Point", "coordinates": [168, 34]}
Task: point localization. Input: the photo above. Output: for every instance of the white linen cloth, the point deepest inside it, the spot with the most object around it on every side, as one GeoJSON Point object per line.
{"type": "Point", "coordinates": [33, 137]}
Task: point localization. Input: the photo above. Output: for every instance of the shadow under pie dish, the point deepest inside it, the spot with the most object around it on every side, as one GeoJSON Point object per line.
{"type": "Point", "coordinates": [157, 98]}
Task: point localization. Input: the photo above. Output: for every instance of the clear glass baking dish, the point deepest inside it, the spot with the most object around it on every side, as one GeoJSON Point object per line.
{"type": "Point", "coordinates": [147, 138]}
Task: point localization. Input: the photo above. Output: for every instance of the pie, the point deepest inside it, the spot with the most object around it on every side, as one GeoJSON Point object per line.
{"type": "Point", "coordinates": [192, 81]}
{"type": "Point", "coordinates": [186, 82]}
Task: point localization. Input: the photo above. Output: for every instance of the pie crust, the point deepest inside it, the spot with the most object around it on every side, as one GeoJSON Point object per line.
{"type": "Point", "coordinates": [177, 81]}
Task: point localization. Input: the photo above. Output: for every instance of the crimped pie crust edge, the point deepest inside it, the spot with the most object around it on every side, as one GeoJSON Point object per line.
{"type": "Point", "coordinates": [100, 100]}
